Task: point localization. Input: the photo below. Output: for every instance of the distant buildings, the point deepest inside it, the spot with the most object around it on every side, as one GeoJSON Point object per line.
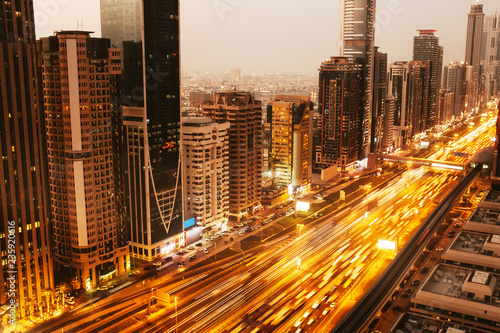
{"type": "Point", "coordinates": [379, 97]}
{"type": "Point", "coordinates": [25, 206]}
{"type": "Point", "coordinates": [235, 74]}
{"type": "Point", "coordinates": [426, 48]}
{"type": "Point", "coordinates": [244, 114]}
{"type": "Point", "coordinates": [342, 113]}
{"type": "Point", "coordinates": [205, 171]}
{"type": "Point", "coordinates": [87, 227]}
{"type": "Point", "coordinates": [150, 100]}
{"type": "Point", "coordinates": [445, 114]}
{"type": "Point", "coordinates": [289, 120]}
{"type": "Point", "coordinates": [473, 54]}
{"type": "Point", "coordinates": [388, 138]}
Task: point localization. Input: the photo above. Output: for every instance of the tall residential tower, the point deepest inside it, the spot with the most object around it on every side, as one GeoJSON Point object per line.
{"type": "Point", "coordinates": [475, 23]}
{"type": "Point", "coordinates": [24, 203]}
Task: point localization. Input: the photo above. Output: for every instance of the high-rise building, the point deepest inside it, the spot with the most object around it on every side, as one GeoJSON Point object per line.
{"type": "Point", "coordinates": [388, 139]}
{"type": "Point", "coordinates": [342, 112]}
{"type": "Point", "coordinates": [151, 117]}
{"type": "Point", "coordinates": [426, 48]}
{"type": "Point", "coordinates": [454, 80]}
{"type": "Point", "coordinates": [357, 33]}
{"type": "Point", "coordinates": [205, 171]}
{"type": "Point", "coordinates": [475, 23]}
{"type": "Point", "coordinates": [244, 113]}
{"type": "Point", "coordinates": [378, 104]}
{"type": "Point", "coordinates": [409, 85]}
{"type": "Point", "coordinates": [445, 107]}
{"type": "Point", "coordinates": [121, 21]}
{"type": "Point", "coordinates": [290, 124]}
{"type": "Point", "coordinates": [84, 71]}
{"type": "Point", "coordinates": [490, 56]}
{"type": "Point", "coordinates": [235, 74]}
{"type": "Point", "coordinates": [24, 204]}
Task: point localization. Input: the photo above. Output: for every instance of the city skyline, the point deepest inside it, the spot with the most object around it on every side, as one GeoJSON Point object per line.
{"type": "Point", "coordinates": [210, 23]}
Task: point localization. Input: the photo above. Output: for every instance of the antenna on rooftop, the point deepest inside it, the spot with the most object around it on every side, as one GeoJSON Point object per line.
{"type": "Point", "coordinates": [79, 25]}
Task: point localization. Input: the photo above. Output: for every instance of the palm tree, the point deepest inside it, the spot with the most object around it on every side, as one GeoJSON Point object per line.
{"type": "Point", "coordinates": [63, 288]}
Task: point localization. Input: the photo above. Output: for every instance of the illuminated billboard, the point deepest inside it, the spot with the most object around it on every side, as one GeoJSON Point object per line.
{"type": "Point", "coordinates": [302, 206]}
{"type": "Point", "coordinates": [386, 245]}
{"type": "Point", "coordinates": [189, 223]}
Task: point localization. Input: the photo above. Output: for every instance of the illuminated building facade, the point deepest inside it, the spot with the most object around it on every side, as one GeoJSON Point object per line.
{"type": "Point", "coordinates": [24, 201]}
{"type": "Point", "coordinates": [150, 97]}
{"type": "Point", "coordinates": [341, 107]}
{"type": "Point", "coordinates": [455, 75]}
{"type": "Point", "coordinates": [205, 171]}
{"type": "Point", "coordinates": [426, 48]}
{"type": "Point", "coordinates": [475, 22]}
{"type": "Point", "coordinates": [80, 75]}
{"type": "Point", "coordinates": [290, 123]}
{"type": "Point", "coordinates": [244, 114]}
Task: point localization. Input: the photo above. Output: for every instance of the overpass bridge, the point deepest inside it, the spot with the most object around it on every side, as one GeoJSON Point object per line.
{"type": "Point", "coordinates": [374, 159]}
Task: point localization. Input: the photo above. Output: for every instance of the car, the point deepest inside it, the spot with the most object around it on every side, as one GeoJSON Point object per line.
{"type": "Point", "coordinates": [111, 286]}
{"type": "Point", "coordinates": [148, 267]}
{"type": "Point", "coordinates": [408, 290]}
{"type": "Point", "coordinates": [456, 225]}
{"type": "Point", "coordinates": [415, 283]}
{"type": "Point", "coordinates": [199, 244]}
{"type": "Point", "coordinates": [231, 239]}
{"type": "Point", "coordinates": [70, 302]}
{"type": "Point", "coordinates": [249, 230]}
{"type": "Point", "coordinates": [325, 311]}
{"type": "Point", "coordinates": [102, 288]}
{"type": "Point", "coordinates": [405, 295]}
{"type": "Point", "coordinates": [239, 225]}
{"type": "Point", "coordinates": [333, 304]}
{"type": "Point", "coordinates": [158, 263]}
{"type": "Point", "coordinates": [241, 233]}
{"type": "Point", "coordinates": [209, 239]}
{"type": "Point", "coordinates": [167, 259]}
{"type": "Point", "coordinates": [206, 250]}
{"type": "Point", "coordinates": [131, 275]}
{"type": "Point", "coordinates": [180, 253]}
{"type": "Point", "coordinates": [190, 247]}
{"type": "Point", "coordinates": [397, 308]}
{"type": "Point", "coordinates": [424, 270]}
{"type": "Point", "coordinates": [226, 242]}
{"type": "Point", "coordinates": [181, 263]}
{"type": "Point", "coordinates": [439, 249]}
{"type": "Point", "coordinates": [225, 233]}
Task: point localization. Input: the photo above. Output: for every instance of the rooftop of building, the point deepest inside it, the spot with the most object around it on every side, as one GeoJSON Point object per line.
{"type": "Point", "coordinates": [451, 281]}
{"type": "Point", "coordinates": [493, 196]}
{"type": "Point", "coordinates": [471, 242]}
{"type": "Point", "coordinates": [415, 322]}
{"type": "Point", "coordinates": [486, 215]}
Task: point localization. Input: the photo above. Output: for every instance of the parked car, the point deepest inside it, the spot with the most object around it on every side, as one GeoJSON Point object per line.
{"type": "Point", "coordinates": [206, 250]}
{"type": "Point", "coordinates": [70, 302]}
{"type": "Point", "coordinates": [167, 259]}
{"type": "Point", "coordinates": [102, 288]}
{"type": "Point", "coordinates": [424, 270]}
{"type": "Point", "coordinates": [199, 244]}
{"type": "Point", "coordinates": [231, 239]}
{"type": "Point", "coordinates": [415, 282]}
{"type": "Point", "coordinates": [158, 263]}
{"type": "Point", "coordinates": [190, 247]}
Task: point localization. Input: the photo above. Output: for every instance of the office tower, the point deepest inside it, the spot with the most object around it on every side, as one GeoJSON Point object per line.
{"type": "Point", "coordinates": [495, 172]}
{"type": "Point", "coordinates": [455, 81]}
{"type": "Point", "coordinates": [490, 56]}
{"type": "Point", "coordinates": [84, 71]}
{"type": "Point", "coordinates": [358, 35]}
{"type": "Point", "coordinates": [342, 112]}
{"type": "Point", "coordinates": [398, 89]}
{"type": "Point", "coordinates": [426, 48]}
{"type": "Point", "coordinates": [378, 104]}
{"type": "Point", "coordinates": [24, 205]}
{"type": "Point", "coordinates": [205, 171]}
{"type": "Point", "coordinates": [419, 92]}
{"type": "Point", "coordinates": [473, 54]}
{"type": "Point", "coordinates": [244, 113]}
{"type": "Point", "coordinates": [150, 100]}
{"type": "Point", "coordinates": [445, 107]}
{"type": "Point", "coordinates": [290, 122]}
{"type": "Point", "coordinates": [235, 74]}
{"type": "Point", "coordinates": [121, 21]}
{"type": "Point", "coordinates": [387, 142]}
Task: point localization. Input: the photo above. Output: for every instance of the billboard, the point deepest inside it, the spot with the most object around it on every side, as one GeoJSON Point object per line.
{"type": "Point", "coordinates": [189, 223]}
{"type": "Point", "coordinates": [302, 206]}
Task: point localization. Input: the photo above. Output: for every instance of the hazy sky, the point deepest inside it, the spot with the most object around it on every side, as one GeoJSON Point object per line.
{"type": "Point", "coordinates": [284, 36]}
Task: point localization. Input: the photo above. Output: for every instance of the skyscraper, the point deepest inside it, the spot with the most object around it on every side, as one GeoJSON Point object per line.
{"type": "Point", "coordinates": [86, 223]}
{"type": "Point", "coordinates": [473, 53]}
{"type": "Point", "coordinates": [378, 104]}
{"type": "Point", "coordinates": [490, 56]}
{"type": "Point", "coordinates": [342, 112]}
{"type": "Point", "coordinates": [151, 117]}
{"type": "Point", "coordinates": [290, 123]}
{"type": "Point", "coordinates": [244, 114]}
{"type": "Point", "coordinates": [387, 141]}
{"type": "Point", "coordinates": [426, 48]}
{"type": "Point", "coordinates": [205, 171]}
{"type": "Point", "coordinates": [24, 204]}
{"type": "Point", "coordinates": [455, 81]}
{"type": "Point", "coordinates": [358, 38]}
